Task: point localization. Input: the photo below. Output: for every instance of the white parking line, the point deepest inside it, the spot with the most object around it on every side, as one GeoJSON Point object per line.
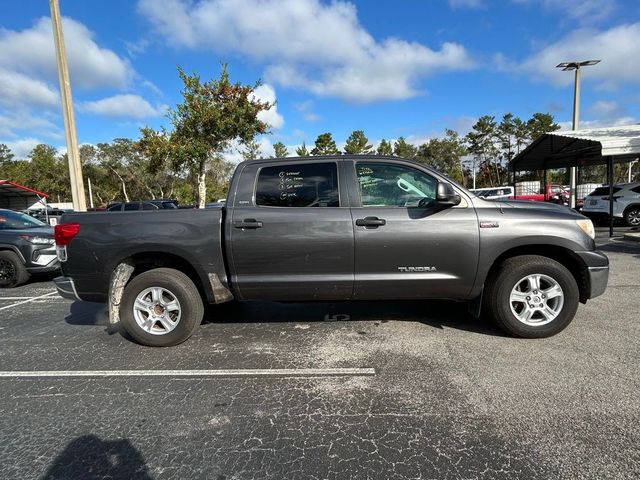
{"type": "Point", "coordinates": [268, 372]}
{"type": "Point", "coordinates": [28, 300]}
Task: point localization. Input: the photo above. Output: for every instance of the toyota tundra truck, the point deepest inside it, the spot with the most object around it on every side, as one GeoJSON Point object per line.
{"type": "Point", "coordinates": [334, 228]}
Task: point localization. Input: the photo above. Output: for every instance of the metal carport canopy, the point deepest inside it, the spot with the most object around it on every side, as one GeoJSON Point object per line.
{"type": "Point", "coordinates": [18, 197]}
{"type": "Point", "coordinates": [578, 148]}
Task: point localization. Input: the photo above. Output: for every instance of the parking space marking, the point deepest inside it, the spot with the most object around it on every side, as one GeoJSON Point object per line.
{"type": "Point", "coordinates": [249, 372]}
{"type": "Point", "coordinates": [28, 300]}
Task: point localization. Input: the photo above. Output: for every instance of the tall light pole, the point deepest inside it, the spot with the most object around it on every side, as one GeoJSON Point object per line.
{"type": "Point", "coordinates": [73, 155]}
{"type": "Point", "coordinates": [568, 66]}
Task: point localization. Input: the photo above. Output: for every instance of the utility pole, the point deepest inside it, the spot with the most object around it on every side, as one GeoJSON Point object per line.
{"type": "Point", "coordinates": [75, 168]}
{"type": "Point", "coordinates": [568, 66]}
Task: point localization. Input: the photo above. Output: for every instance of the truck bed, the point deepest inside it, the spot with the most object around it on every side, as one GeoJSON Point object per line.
{"type": "Point", "coordinates": [106, 239]}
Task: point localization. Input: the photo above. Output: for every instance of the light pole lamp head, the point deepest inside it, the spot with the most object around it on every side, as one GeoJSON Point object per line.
{"type": "Point", "coordinates": [565, 66]}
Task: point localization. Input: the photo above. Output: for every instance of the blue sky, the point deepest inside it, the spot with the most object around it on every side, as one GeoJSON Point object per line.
{"type": "Point", "coordinates": [405, 68]}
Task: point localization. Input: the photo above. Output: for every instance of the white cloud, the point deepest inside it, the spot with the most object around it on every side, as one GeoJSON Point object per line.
{"type": "Point", "coordinates": [306, 44]}
{"type": "Point", "coordinates": [17, 90]}
{"type": "Point", "coordinates": [21, 148]}
{"type": "Point", "coordinates": [475, 4]}
{"type": "Point", "coordinates": [31, 51]}
{"type": "Point", "coordinates": [587, 11]}
{"type": "Point", "coordinates": [607, 109]}
{"type": "Point", "coordinates": [612, 122]}
{"type": "Point", "coordinates": [617, 47]}
{"type": "Point", "coordinates": [266, 93]}
{"type": "Point", "coordinates": [124, 106]}
{"type": "Point", "coordinates": [306, 109]}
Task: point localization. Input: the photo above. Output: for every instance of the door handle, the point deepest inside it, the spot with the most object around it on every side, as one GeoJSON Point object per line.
{"type": "Point", "coordinates": [370, 222]}
{"type": "Point", "coordinates": [247, 223]}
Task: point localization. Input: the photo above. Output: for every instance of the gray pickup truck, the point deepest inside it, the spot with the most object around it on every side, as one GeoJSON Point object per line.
{"type": "Point", "coordinates": [334, 229]}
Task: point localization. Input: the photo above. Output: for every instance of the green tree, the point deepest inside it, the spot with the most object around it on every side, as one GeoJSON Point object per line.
{"type": "Point", "coordinates": [5, 154]}
{"type": "Point", "coordinates": [280, 150]}
{"type": "Point", "coordinates": [384, 148]}
{"type": "Point", "coordinates": [444, 154]}
{"type": "Point", "coordinates": [49, 173]}
{"type": "Point", "coordinates": [541, 123]}
{"type": "Point", "coordinates": [252, 150]}
{"type": "Point", "coordinates": [212, 114]}
{"type": "Point", "coordinates": [403, 149]}
{"type": "Point", "coordinates": [481, 142]}
{"type": "Point", "coordinates": [358, 144]}
{"type": "Point", "coordinates": [325, 145]}
{"type": "Point", "coordinates": [302, 151]}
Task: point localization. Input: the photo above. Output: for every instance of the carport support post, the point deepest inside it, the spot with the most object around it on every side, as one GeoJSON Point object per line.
{"type": "Point", "coordinates": [610, 180]}
{"type": "Point", "coordinates": [514, 181]}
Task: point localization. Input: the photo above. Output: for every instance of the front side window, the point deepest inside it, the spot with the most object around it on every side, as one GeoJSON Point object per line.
{"type": "Point", "coordinates": [298, 185]}
{"type": "Point", "coordinates": [131, 206]}
{"type": "Point", "coordinates": [390, 185]}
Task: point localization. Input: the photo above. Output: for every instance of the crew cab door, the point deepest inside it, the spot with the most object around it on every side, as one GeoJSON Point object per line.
{"type": "Point", "coordinates": [406, 245]}
{"type": "Point", "coordinates": [289, 231]}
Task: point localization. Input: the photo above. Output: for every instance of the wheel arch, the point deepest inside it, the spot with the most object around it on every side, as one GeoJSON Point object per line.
{"type": "Point", "coordinates": [562, 255]}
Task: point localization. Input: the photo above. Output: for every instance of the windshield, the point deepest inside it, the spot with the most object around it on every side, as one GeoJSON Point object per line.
{"type": "Point", "coordinates": [17, 221]}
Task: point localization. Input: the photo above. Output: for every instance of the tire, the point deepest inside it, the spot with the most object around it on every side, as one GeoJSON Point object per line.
{"type": "Point", "coordinates": [168, 310]}
{"type": "Point", "coordinates": [632, 216]}
{"type": "Point", "coordinates": [12, 270]}
{"type": "Point", "coordinates": [508, 305]}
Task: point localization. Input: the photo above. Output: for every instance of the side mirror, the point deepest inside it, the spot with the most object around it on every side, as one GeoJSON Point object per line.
{"type": "Point", "coordinates": [446, 195]}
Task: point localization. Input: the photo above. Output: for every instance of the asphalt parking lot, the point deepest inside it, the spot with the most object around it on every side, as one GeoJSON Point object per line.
{"type": "Point", "coordinates": [362, 390]}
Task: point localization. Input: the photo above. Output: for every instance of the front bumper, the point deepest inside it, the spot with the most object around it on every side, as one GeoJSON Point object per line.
{"type": "Point", "coordinates": [66, 288]}
{"type": "Point", "coordinates": [597, 272]}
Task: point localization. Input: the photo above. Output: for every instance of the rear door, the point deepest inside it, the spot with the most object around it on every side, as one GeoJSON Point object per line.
{"type": "Point", "coordinates": [406, 246]}
{"type": "Point", "coordinates": [290, 233]}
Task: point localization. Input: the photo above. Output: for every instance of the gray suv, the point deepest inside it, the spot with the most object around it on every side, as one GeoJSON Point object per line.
{"type": "Point", "coordinates": [26, 247]}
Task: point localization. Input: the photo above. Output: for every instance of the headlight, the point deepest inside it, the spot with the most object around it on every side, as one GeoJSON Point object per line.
{"type": "Point", "coordinates": [38, 240]}
{"type": "Point", "coordinates": [587, 227]}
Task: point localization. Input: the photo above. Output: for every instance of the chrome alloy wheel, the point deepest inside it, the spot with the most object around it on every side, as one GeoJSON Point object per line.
{"type": "Point", "coordinates": [633, 217]}
{"type": "Point", "coordinates": [157, 310]}
{"type": "Point", "coordinates": [536, 300]}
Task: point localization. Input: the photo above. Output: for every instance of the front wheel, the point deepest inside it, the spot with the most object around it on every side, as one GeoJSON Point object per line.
{"type": "Point", "coordinates": [531, 296]}
{"type": "Point", "coordinates": [161, 307]}
{"type": "Point", "coordinates": [12, 271]}
{"type": "Point", "coordinates": [632, 216]}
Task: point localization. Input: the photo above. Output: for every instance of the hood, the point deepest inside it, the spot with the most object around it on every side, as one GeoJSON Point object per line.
{"type": "Point", "coordinates": [530, 204]}
{"type": "Point", "coordinates": [44, 231]}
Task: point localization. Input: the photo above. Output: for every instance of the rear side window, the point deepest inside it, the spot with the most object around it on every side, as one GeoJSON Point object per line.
{"type": "Point", "coordinates": [131, 206]}
{"type": "Point", "coordinates": [298, 185]}
{"type": "Point", "coordinates": [603, 191]}
{"type": "Point", "coordinates": [636, 189]}
{"type": "Point", "coordinates": [149, 206]}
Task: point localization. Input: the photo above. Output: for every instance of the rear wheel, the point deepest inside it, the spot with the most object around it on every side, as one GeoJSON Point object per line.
{"type": "Point", "coordinates": [532, 296]}
{"type": "Point", "coordinates": [12, 270]}
{"type": "Point", "coordinates": [161, 307]}
{"type": "Point", "coordinates": [632, 216]}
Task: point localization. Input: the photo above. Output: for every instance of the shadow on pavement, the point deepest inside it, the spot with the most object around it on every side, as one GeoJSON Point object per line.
{"type": "Point", "coordinates": [88, 457]}
{"type": "Point", "coordinates": [87, 313]}
{"type": "Point", "coordinates": [437, 314]}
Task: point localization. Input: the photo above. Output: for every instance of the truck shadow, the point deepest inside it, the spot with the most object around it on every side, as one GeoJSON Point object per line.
{"type": "Point", "coordinates": [436, 314]}
{"type": "Point", "coordinates": [88, 457]}
{"type": "Point", "coordinates": [88, 313]}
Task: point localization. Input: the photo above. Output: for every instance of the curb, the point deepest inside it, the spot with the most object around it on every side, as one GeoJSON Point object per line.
{"type": "Point", "coordinates": [634, 237]}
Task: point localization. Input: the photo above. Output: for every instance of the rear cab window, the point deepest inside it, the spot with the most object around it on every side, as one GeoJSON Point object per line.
{"type": "Point", "coordinates": [298, 185]}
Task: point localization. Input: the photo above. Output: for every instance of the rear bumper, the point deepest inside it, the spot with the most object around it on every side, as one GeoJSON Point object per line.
{"type": "Point", "coordinates": [66, 288]}
{"type": "Point", "coordinates": [597, 272]}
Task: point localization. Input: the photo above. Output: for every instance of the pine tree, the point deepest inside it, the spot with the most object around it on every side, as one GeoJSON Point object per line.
{"type": "Point", "coordinates": [357, 144]}
{"type": "Point", "coordinates": [403, 149]}
{"type": "Point", "coordinates": [280, 150]}
{"type": "Point", "coordinates": [302, 151]}
{"type": "Point", "coordinates": [325, 145]}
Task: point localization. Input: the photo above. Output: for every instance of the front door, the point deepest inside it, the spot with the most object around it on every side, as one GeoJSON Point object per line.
{"type": "Point", "coordinates": [295, 240]}
{"type": "Point", "coordinates": [406, 245]}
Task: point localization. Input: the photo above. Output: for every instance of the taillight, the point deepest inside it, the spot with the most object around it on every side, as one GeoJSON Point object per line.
{"type": "Point", "coordinates": [65, 232]}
